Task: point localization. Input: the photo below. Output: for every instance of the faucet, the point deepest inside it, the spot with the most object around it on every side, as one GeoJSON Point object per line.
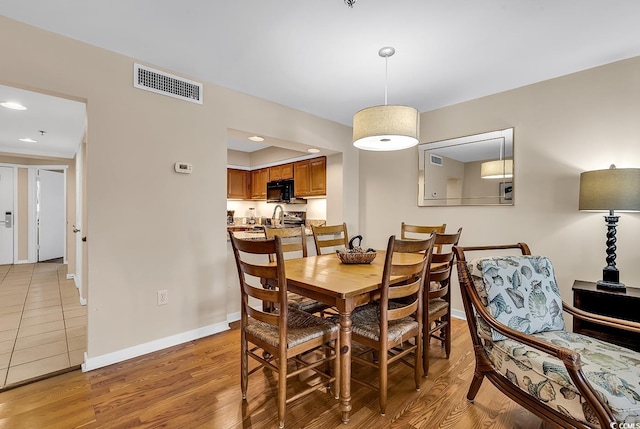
{"type": "Point", "coordinates": [273, 217]}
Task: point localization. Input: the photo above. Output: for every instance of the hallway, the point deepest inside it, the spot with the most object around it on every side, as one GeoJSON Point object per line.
{"type": "Point", "coordinates": [43, 327]}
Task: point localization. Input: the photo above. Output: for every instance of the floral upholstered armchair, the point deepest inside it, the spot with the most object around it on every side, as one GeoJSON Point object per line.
{"type": "Point", "coordinates": [515, 314]}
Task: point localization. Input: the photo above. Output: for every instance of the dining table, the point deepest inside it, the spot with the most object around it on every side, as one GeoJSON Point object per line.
{"type": "Point", "coordinates": [345, 286]}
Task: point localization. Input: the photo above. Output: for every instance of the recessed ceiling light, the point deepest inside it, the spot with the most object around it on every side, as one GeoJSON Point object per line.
{"type": "Point", "coordinates": [28, 140]}
{"type": "Point", "coordinates": [12, 105]}
{"type": "Point", "coordinates": [313, 150]}
{"type": "Point", "coordinates": [256, 139]}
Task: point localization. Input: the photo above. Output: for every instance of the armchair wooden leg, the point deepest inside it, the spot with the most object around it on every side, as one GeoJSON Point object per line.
{"type": "Point", "coordinates": [475, 386]}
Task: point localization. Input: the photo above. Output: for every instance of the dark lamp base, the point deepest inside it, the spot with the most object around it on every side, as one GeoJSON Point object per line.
{"type": "Point", "coordinates": [616, 286]}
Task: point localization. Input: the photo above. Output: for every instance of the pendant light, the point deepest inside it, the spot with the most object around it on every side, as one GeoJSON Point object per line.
{"type": "Point", "coordinates": [498, 169]}
{"type": "Point", "coordinates": [387, 127]}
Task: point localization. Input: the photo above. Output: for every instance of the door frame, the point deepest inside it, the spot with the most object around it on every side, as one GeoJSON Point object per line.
{"type": "Point", "coordinates": [15, 209]}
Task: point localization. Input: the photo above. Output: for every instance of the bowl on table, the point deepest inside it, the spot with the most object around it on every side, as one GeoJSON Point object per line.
{"type": "Point", "coordinates": [357, 255]}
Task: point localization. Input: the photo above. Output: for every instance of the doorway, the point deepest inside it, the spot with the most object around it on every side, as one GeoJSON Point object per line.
{"type": "Point", "coordinates": [50, 215]}
{"type": "Point", "coordinates": [43, 324]}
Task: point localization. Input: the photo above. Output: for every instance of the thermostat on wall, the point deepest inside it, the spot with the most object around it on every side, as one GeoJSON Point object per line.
{"type": "Point", "coordinates": [183, 167]}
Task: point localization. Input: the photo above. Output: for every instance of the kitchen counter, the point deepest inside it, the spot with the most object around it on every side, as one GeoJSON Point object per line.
{"type": "Point", "coordinates": [257, 231]}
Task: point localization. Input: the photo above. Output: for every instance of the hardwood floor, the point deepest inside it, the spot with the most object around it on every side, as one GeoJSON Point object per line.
{"type": "Point", "coordinates": [197, 385]}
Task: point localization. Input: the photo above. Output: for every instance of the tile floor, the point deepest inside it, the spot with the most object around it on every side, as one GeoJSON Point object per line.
{"type": "Point", "coordinates": [43, 327]}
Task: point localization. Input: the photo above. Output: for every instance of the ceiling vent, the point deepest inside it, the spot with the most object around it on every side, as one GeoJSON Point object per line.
{"type": "Point", "coordinates": [166, 84]}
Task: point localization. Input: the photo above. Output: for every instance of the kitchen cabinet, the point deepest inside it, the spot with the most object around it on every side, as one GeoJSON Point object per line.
{"type": "Point", "coordinates": [238, 183]}
{"type": "Point", "coordinates": [310, 177]}
{"type": "Point", "coordinates": [259, 179]}
{"type": "Point", "coordinates": [281, 172]}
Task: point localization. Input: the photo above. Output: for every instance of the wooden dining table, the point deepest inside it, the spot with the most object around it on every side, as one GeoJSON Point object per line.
{"type": "Point", "coordinates": [345, 286]}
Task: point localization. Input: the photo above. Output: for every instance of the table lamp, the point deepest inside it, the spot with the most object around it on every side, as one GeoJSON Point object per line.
{"type": "Point", "coordinates": [612, 189]}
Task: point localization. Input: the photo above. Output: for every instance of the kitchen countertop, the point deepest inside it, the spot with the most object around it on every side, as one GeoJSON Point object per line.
{"type": "Point", "coordinates": [256, 231]}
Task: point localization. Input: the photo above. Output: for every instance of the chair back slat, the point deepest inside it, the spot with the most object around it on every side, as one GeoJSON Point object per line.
{"type": "Point", "coordinates": [410, 232]}
{"type": "Point", "coordinates": [402, 312]}
{"type": "Point", "coordinates": [329, 237]}
{"type": "Point", "coordinates": [412, 288]}
{"type": "Point", "coordinates": [440, 275]}
{"type": "Point", "coordinates": [271, 273]}
{"type": "Point", "coordinates": [293, 240]}
{"type": "Point", "coordinates": [405, 289]}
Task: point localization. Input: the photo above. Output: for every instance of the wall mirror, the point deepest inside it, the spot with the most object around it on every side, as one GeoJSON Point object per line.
{"type": "Point", "coordinates": [467, 171]}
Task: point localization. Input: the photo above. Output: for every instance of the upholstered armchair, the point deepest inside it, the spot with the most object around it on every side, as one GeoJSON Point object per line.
{"type": "Point", "coordinates": [515, 315]}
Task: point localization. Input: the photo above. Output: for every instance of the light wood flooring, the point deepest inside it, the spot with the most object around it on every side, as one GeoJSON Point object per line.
{"type": "Point", "coordinates": [43, 327]}
{"type": "Point", "coordinates": [197, 385]}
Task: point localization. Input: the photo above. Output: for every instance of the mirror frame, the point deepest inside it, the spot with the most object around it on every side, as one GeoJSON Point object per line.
{"type": "Point", "coordinates": [466, 154]}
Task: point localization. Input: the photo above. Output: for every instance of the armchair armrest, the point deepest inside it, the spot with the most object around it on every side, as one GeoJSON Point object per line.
{"type": "Point", "coordinates": [612, 322]}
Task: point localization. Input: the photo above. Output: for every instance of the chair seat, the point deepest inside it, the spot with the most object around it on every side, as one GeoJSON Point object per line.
{"type": "Point", "coordinates": [303, 303]}
{"type": "Point", "coordinates": [301, 327]}
{"type": "Point", "coordinates": [437, 306]}
{"type": "Point", "coordinates": [613, 371]}
{"type": "Point", "coordinates": [366, 323]}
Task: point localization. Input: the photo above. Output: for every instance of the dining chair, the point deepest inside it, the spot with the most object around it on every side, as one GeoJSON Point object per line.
{"type": "Point", "coordinates": [330, 236]}
{"type": "Point", "coordinates": [437, 296]}
{"type": "Point", "coordinates": [385, 327]}
{"type": "Point", "coordinates": [294, 244]}
{"type": "Point", "coordinates": [408, 232]}
{"type": "Point", "coordinates": [275, 338]}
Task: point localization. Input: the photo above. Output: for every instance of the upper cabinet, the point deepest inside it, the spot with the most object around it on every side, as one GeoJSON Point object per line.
{"type": "Point", "coordinates": [281, 172]}
{"type": "Point", "coordinates": [310, 177]}
{"type": "Point", "coordinates": [238, 184]}
{"type": "Point", "coordinates": [259, 179]}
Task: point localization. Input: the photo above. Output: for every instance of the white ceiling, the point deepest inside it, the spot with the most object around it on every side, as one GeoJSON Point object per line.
{"type": "Point", "coordinates": [57, 125]}
{"type": "Point", "coordinates": [321, 57]}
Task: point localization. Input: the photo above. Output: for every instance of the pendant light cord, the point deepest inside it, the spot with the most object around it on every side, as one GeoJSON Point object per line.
{"type": "Point", "coordinates": [386, 78]}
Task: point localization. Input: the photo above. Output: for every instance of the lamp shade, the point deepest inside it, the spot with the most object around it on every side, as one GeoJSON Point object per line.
{"type": "Point", "coordinates": [384, 128]}
{"type": "Point", "coordinates": [499, 169]}
{"type": "Point", "coordinates": [611, 189]}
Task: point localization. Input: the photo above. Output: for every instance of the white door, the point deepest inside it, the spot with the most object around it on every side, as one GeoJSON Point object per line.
{"type": "Point", "coordinates": [6, 215]}
{"type": "Point", "coordinates": [51, 215]}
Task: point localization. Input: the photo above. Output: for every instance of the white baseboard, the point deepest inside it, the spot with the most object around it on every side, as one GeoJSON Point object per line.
{"type": "Point", "coordinates": [83, 301]}
{"type": "Point", "coordinates": [22, 261]}
{"type": "Point", "coordinates": [458, 314]}
{"type": "Point", "coordinates": [71, 276]}
{"type": "Point", "coordinates": [91, 363]}
{"type": "Point", "coordinates": [233, 317]}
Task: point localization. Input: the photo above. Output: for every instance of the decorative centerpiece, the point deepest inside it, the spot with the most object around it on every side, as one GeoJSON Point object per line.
{"type": "Point", "coordinates": [356, 254]}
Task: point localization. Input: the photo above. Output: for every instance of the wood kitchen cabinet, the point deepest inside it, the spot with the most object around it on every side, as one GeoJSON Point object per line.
{"type": "Point", "coordinates": [310, 177]}
{"type": "Point", "coordinates": [238, 184]}
{"type": "Point", "coordinates": [259, 179]}
{"type": "Point", "coordinates": [281, 172]}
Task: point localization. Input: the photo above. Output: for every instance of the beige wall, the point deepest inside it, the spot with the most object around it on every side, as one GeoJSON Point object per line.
{"type": "Point", "coordinates": [584, 121]}
{"type": "Point", "coordinates": [147, 227]}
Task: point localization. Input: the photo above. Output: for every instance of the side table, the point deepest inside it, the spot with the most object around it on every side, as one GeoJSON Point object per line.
{"type": "Point", "coordinates": [622, 305]}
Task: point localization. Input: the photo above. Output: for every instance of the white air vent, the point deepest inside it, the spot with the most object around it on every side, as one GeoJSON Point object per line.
{"type": "Point", "coordinates": [166, 84]}
{"type": "Point", "coordinates": [436, 160]}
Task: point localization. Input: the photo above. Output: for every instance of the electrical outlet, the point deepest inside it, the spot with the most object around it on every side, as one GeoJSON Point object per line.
{"type": "Point", "coordinates": [163, 297]}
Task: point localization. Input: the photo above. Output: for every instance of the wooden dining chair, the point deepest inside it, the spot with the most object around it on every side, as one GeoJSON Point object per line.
{"type": "Point", "coordinates": [274, 338]}
{"type": "Point", "coordinates": [386, 327]}
{"type": "Point", "coordinates": [294, 244]}
{"type": "Point", "coordinates": [408, 232]}
{"type": "Point", "coordinates": [331, 236]}
{"type": "Point", "coordinates": [437, 295]}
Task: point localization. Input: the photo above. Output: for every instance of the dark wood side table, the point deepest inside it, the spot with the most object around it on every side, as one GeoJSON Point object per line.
{"type": "Point", "coordinates": [622, 305]}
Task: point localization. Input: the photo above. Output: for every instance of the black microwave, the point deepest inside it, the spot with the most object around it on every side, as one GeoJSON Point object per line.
{"type": "Point", "coordinates": [280, 191]}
